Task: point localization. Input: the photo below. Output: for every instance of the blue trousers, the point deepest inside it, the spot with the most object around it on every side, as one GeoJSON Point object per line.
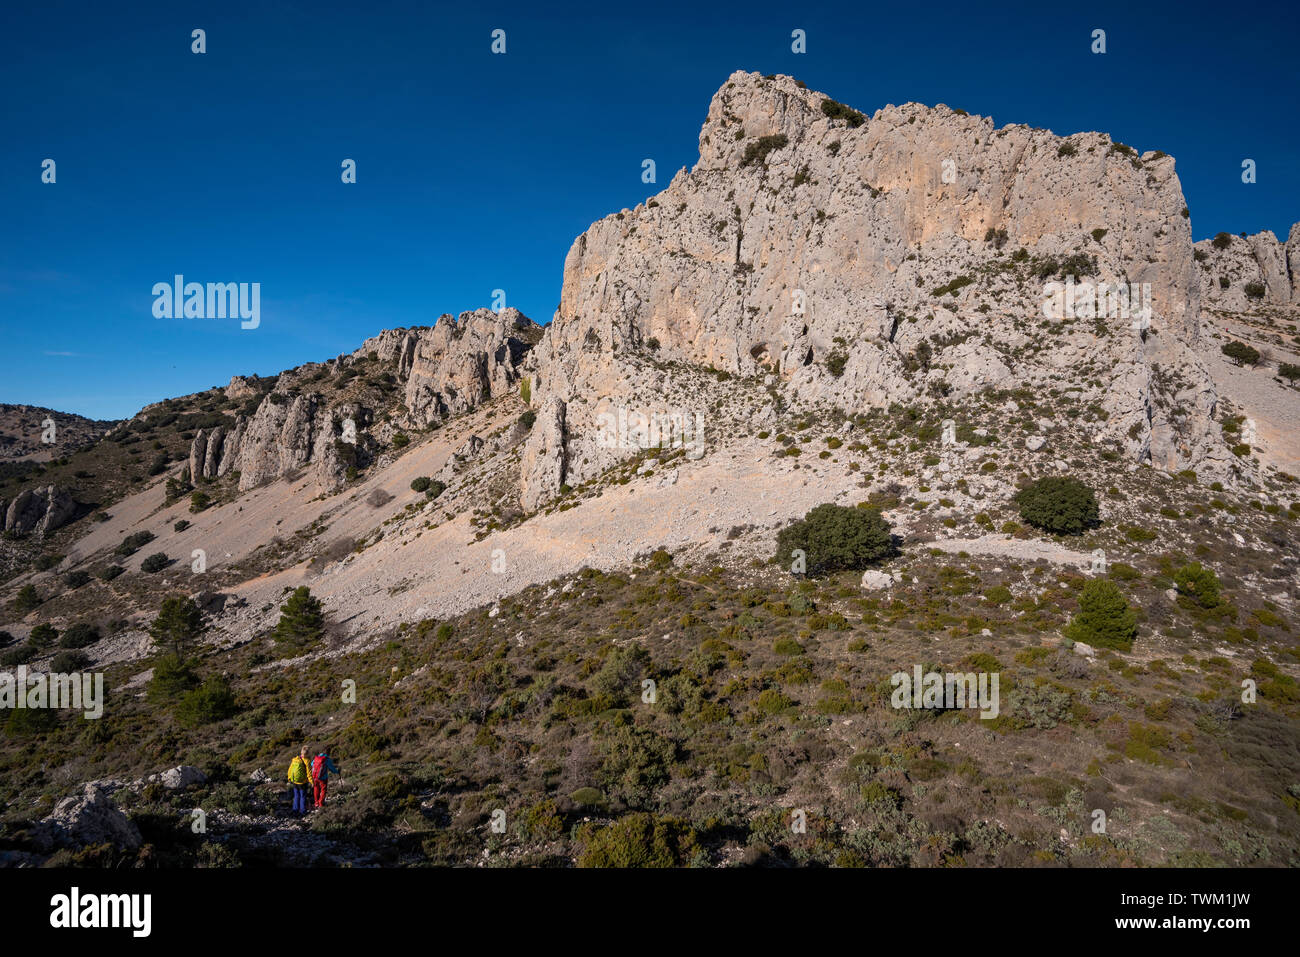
{"type": "Point", "coordinates": [299, 792]}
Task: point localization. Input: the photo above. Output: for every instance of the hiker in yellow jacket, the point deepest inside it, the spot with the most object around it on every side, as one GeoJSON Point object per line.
{"type": "Point", "coordinates": [300, 782]}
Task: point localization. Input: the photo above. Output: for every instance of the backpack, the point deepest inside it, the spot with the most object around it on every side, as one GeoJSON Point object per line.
{"type": "Point", "coordinates": [318, 767]}
{"type": "Point", "coordinates": [297, 771]}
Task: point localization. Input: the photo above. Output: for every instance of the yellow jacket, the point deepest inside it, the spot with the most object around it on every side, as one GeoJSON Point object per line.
{"type": "Point", "coordinates": [299, 772]}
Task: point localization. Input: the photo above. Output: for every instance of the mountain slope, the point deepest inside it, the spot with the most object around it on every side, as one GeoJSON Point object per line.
{"type": "Point", "coordinates": [504, 557]}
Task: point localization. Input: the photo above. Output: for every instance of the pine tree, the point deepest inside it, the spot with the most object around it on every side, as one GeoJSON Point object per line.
{"type": "Point", "coordinates": [178, 625]}
{"type": "Point", "coordinates": [1104, 619]}
{"type": "Point", "coordinates": [301, 620]}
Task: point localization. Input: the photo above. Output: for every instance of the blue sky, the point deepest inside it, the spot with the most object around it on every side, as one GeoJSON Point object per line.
{"type": "Point", "coordinates": [476, 171]}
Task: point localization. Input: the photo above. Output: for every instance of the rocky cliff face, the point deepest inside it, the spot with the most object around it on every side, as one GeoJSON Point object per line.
{"type": "Point", "coordinates": [441, 371]}
{"type": "Point", "coordinates": [864, 261]}
{"type": "Point", "coordinates": [1244, 272]}
{"type": "Point", "coordinates": [461, 362]}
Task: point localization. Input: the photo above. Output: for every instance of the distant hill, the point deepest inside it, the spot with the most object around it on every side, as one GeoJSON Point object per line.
{"type": "Point", "coordinates": [22, 426]}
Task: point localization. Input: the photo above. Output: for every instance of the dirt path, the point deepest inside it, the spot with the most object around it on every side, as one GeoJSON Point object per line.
{"type": "Point", "coordinates": [1022, 549]}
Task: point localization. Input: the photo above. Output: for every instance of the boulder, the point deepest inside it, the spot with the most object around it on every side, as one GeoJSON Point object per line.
{"type": "Point", "coordinates": [180, 777]}
{"type": "Point", "coordinates": [39, 511]}
{"type": "Point", "coordinates": [873, 580]}
{"type": "Point", "coordinates": [89, 817]}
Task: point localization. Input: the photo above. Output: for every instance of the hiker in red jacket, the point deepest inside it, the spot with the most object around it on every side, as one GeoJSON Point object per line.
{"type": "Point", "coordinates": [321, 768]}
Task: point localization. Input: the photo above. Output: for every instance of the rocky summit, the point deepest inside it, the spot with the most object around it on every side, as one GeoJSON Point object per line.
{"type": "Point", "coordinates": [861, 405]}
{"type": "Point", "coordinates": [824, 248]}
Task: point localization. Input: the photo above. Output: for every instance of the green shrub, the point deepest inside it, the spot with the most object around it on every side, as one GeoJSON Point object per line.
{"type": "Point", "coordinates": [155, 563]}
{"type": "Point", "coordinates": [950, 288]}
{"type": "Point", "coordinates": [835, 538]}
{"type": "Point", "coordinates": [998, 595]}
{"type": "Point", "coordinates": [1058, 504]}
{"type": "Point", "coordinates": [31, 722]}
{"type": "Point", "coordinates": [111, 572]}
{"type": "Point", "coordinates": [1241, 353]}
{"type": "Point", "coordinates": [80, 635]}
{"type": "Point", "coordinates": [787, 647]}
{"type": "Point", "coordinates": [75, 579]}
{"type": "Point", "coordinates": [401, 440]}
{"type": "Point", "coordinates": [172, 679]}
{"type": "Point", "coordinates": [771, 701]}
{"type": "Point", "coordinates": [640, 840]}
{"type": "Point", "coordinates": [211, 701]}
{"type": "Point", "coordinates": [838, 111]}
{"type": "Point", "coordinates": [1104, 619]}
{"type": "Point", "coordinates": [527, 419]}
{"type": "Point", "coordinates": [1078, 266]}
{"type": "Point", "coordinates": [134, 542]}
{"type": "Point", "coordinates": [1289, 371]}
{"type": "Point", "coordinates": [43, 636]}
{"type": "Point", "coordinates": [18, 654]}
{"type": "Point", "coordinates": [1222, 241]}
{"type": "Point", "coordinates": [1199, 585]}
{"type": "Point", "coordinates": [199, 500]}
{"type": "Point", "coordinates": [636, 764]}
{"type": "Point", "coordinates": [26, 599]}
{"type": "Point", "coordinates": [588, 797]}
{"type": "Point", "coordinates": [420, 484]}
{"type": "Point", "coordinates": [44, 563]}
{"type": "Point", "coordinates": [66, 662]}
{"type": "Point", "coordinates": [542, 822]}
{"type": "Point", "coordinates": [620, 675]}
{"type": "Point", "coordinates": [756, 150]}
{"type": "Point", "coordinates": [1254, 290]}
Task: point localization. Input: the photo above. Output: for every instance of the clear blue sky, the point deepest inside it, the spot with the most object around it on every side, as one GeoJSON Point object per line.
{"type": "Point", "coordinates": [476, 172]}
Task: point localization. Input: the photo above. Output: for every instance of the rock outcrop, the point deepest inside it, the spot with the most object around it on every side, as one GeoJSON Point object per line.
{"type": "Point", "coordinates": [544, 464]}
{"type": "Point", "coordinates": [242, 388]}
{"type": "Point", "coordinates": [865, 261]}
{"type": "Point", "coordinates": [213, 452]}
{"type": "Point", "coordinates": [1245, 272]}
{"type": "Point", "coordinates": [278, 438]}
{"type": "Point", "coordinates": [459, 363]}
{"type": "Point", "coordinates": [90, 817]}
{"type": "Point", "coordinates": [391, 345]}
{"type": "Point", "coordinates": [180, 777]}
{"type": "Point", "coordinates": [39, 511]}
